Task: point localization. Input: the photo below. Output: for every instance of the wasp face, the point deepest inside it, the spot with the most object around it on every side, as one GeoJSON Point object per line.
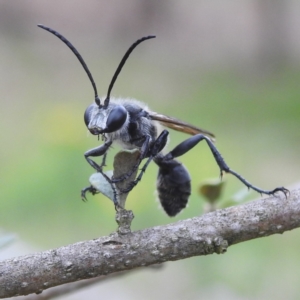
{"type": "Point", "coordinates": [95, 119]}
{"type": "Point", "coordinates": [101, 120]}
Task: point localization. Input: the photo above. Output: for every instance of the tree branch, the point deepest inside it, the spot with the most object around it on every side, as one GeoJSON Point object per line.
{"type": "Point", "coordinates": [211, 233]}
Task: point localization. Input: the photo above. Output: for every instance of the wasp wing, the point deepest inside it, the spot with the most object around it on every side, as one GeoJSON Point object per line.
{"type": "Point", "coordinates": [179, 125]}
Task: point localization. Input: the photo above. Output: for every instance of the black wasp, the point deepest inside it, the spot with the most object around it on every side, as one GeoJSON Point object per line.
{"type": "Point", "coordinates": [129, 123]}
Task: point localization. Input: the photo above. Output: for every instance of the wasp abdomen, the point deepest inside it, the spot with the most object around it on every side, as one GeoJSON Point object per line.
{"type": "Point", "coordinates": [173, 186]}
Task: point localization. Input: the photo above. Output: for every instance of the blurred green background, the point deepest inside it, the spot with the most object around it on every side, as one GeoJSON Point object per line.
{"type": "Point", "coordinates": [231, 67]}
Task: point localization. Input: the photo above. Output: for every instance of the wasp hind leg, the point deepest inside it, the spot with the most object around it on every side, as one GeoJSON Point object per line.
{"type": "Point", "coordinates": [188, 144]}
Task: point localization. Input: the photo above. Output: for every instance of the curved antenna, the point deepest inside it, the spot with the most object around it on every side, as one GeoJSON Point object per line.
{"type": "Point", "coordinates": [120, 66]}
{"type": "Point", "coordinates": [62, 38]}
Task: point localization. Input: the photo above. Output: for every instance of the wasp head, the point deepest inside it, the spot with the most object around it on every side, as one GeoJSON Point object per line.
{"type": "Point", "coordinates": [107, 117]}
{"type": "Point", "coordinates": [99, 119]}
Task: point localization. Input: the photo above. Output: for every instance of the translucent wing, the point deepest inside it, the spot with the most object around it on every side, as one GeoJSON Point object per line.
{"type": "Point", "coordinates": [179, 125]}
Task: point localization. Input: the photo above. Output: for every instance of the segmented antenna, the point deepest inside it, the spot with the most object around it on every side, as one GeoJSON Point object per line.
{"type": "Point", "coordinates": [120, 66]}
{"type": "Point", "coordinates": [62, 38]}
{"type": "Point", "coordinates": [116, 74]}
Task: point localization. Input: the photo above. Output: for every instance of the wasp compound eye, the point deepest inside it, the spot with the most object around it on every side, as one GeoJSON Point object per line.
{"type": "Point", "coordinates": [116, 119]}
{"type": "Point", "coordinates": [87, 114]}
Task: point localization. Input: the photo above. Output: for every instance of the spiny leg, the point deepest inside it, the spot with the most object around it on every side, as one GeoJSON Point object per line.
{"type": "Point", "coordinates": [188, 144]}
{"type": "Point", "coordinates": [95, 152]}
{"type": "Point", "coordinates": [95, 188]}
{"type": "Point", "coordinates": [132, 184]}
{"type": "Point", "coordinates": [99, 151]}
{"type": "Point", "coordinates": [89, 189]}
{"type": "Point", "coordinates": [103, 163]}
{"type": "Point", "coordinates": [114, 190]}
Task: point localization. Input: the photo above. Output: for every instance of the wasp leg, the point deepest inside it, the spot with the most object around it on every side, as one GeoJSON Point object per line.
{"type": "Point", "coordinates": [188, 144]}
{"type": "Point", "coordinates": [89, 189]}
{"type": "Point", "coordinates": [144, 150]}
{"type": "Point", "coordinates": [99, 151]}
{"type": "Point", "coordinates": [157, 146]}
{"type": "Point", "coordinates": [103, 163]}
{"type": "Point", "coordinates": [94, 190]}
{"type": "Point", "coordinates": [115, 200]}
{"type": "Point", "coordinates": [132, 184]}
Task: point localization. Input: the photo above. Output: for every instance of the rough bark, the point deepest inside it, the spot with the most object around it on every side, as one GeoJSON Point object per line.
{"type": "Point", "coordinates": [210, 233]}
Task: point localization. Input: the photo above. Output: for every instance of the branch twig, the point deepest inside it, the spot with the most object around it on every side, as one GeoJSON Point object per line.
{"type": "Point", "coordinates": [207, 234]}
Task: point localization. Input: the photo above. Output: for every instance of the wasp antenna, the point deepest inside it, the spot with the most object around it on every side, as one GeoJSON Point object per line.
{"type": "Point", "coordinates": [121, 64]}
{"type": "Point", "coordinates": [62, 38]}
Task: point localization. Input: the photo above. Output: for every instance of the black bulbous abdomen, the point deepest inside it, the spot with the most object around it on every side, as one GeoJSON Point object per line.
{"type": "Point", "coordinates": [173, 186]}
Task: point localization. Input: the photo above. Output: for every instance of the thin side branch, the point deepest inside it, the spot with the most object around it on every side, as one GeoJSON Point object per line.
{"type": "Point", "coordinates": [211, 233]}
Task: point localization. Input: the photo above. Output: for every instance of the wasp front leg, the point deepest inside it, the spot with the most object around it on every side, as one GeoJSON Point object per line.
{"type": "Point", "coordinates": [89, 189]}
{"type": "Point", "coordinates": [95, 152]}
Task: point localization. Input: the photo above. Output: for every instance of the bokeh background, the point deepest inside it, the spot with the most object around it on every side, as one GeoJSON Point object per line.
{"type": "Point", "coordinates": [232, 67]}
